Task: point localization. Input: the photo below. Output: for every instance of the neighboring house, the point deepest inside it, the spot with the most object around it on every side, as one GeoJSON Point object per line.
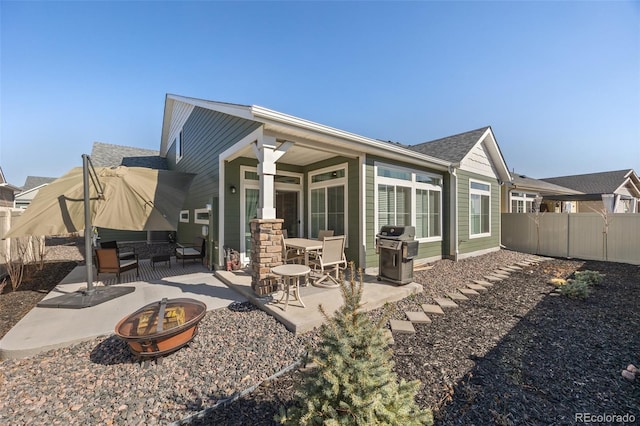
{"type": "Point", "coordinates": [7, 191]}
{"type": "Point", "coordinates": [616, 191]}
{"type": "Point", "coordinates": [110, 155]}
{"type": "Point", "coordinates": [525, 195]}
{"type": "Point", "coordinates": [30, 189]}
{"type": "Point", "coordinates": [253, 162]}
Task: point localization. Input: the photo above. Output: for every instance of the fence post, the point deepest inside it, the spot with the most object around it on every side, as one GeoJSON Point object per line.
{"type": "Point", "coordinates": [568, 235]}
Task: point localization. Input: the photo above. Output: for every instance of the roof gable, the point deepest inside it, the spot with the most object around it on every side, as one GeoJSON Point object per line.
{"type": "Point", "coordinates": [459, 149]}
{"type": "Point", "coordinates": [452, 148]}
{"type": "Point", "coordinates": [36, 181]}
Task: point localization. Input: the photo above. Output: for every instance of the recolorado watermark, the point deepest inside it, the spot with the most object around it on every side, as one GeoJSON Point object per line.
{"type": "Point", "coordinates": [604, 418]}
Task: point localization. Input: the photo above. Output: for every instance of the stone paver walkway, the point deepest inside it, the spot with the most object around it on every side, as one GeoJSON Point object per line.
{"type": "Point", "coordinates": [443, 304]}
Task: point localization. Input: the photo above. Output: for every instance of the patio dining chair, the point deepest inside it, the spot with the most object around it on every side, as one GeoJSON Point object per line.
{"type": "Point", "coordinates": [108, 262]}
{"type": "Point", "coordinates": [330, 260]}
{"type": "Point", "coordinates": [290, 255]}
{"type": "Point", "coordinates": [323, 233]}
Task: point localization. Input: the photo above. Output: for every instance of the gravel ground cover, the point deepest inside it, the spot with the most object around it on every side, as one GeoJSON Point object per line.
{"type": "Point", "coordinates": [513, 355]}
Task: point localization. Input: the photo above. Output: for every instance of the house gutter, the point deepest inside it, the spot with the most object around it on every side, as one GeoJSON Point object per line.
{"type": "Point", "coordinates": [453, 228]}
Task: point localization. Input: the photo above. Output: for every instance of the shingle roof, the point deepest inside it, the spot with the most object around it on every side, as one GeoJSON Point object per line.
{"type": "Point", "coordinates": [545, 188]}
{"type": "Point", "coordinates": [35, 181]}
{"type": "Point", "coordinates": [592, 183]}
{"type": "Point", "coordinates": [452, 148]}
{"type": "Point", "coordinates": [108, 155]}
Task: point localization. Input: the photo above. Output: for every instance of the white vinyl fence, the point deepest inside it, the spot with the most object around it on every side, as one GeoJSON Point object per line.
{"type": "Point", "coordinates": [574, 235]}
{"type": "Point", "coordinates": [24, 247]}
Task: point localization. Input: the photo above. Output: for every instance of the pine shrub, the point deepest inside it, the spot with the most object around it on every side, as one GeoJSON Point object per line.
{"type": "Point", "coordinates": [354, 382]}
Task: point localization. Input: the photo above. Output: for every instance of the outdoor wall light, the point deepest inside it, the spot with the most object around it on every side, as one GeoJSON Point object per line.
{"type": "Point", "coordinates": [232, 189]}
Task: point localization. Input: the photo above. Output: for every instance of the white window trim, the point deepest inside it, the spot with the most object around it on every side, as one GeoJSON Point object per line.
{"type": "Point", "coordinates": [201, 221]}
{"type": "Point", "coordinates": [411, 184]}
{"type": "Point", "coordinates": [184, 219]}
{"type": "Point", "coordinates": [479, 192]}
{"type": "Point", "coordinates": [179, 142]}
{"type": "Point", "coordinates": [343, 181]}
{"type": "Point", "coordinates": [526, 196]}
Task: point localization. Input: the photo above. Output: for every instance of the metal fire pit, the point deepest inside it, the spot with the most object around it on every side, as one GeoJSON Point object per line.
{"type": "Point", "coordinates": [148, 337]}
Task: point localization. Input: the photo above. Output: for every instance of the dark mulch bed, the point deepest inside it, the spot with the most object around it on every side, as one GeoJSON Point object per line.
{"type": "Point", "coordinates": [35, 286]}
{"type": "Point", "coordinates": [514, 355]}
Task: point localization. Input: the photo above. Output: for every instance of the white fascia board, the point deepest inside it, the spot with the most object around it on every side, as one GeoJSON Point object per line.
{"type": "Point", "coordinates": [631, 187]}
{"type": "Point", "coordinates": [166, 126]}
{"type": "Point", "coordinates": [37, 188]}
{"type": "Point", "coordinates": [368, 145]}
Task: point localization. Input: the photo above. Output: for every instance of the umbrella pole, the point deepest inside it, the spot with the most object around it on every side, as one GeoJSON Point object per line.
{"type": "Point", "coordinates": [87, 224]}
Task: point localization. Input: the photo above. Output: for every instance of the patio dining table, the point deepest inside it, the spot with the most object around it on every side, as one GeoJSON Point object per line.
{"type": "Point", "coordinates": [305, 245]}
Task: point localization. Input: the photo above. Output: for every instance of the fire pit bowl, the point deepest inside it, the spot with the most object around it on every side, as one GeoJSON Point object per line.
{"type": "Point", "coordinates": [148, 337]}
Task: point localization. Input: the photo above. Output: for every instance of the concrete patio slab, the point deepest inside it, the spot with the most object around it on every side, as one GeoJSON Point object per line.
{"type": "Point", "coordinates": [298, 319]}
{"type": "Point", "coordinates": [48, 328]}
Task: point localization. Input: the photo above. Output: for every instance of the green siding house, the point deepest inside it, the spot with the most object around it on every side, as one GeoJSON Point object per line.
{"type": "Point", "coordinates": [255, 163]}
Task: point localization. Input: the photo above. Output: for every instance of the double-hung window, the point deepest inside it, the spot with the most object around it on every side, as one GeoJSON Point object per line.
{"type": "Point", "coordinates": [522, 202]}
{"type": "Point", "coordinates": [407, 197]}
{"type": "Point", "coordinates": [328, 200]}
{"type": "Point", "coordinates": [479, 209]}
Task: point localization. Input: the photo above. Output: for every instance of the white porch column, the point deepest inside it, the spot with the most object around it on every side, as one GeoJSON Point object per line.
{"type": "Point", "coordinates": [266, 146]}
{"type": "Point", "coordinates": [268, 153]}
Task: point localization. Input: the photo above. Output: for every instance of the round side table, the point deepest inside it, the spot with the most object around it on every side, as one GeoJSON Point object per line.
{"type": "Point", "coordinates": [290, 274]}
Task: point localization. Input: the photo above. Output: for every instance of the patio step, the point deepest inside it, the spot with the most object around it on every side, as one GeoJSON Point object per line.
{"type": "Point", "coordinates": [492, 278]}
{"type": "Point", "coordinates": [508, 269]}
{"type": "Point", "coordinates": [477, 287]}
{"type": "Point", "coordinates": [483, 283]}
{"type": "Point", "coordinates": [400, 326]}
{"type": "Point", "coordinates": [432, 309]}
{"type": "Point", "coordinates": [503, 276]}
{"type": "Point", "coordinates": [418, 317]}
{"type": "Point", "coordinates": [468, 292]}
{"type": "Point", "coordinates": [501, 272]}
{"type": "Point", "coordinates": [516, 267]}
{"type": "Point", "coordinates": [387, 333]}
{"type": "Point", "coordinates": [457, 296]}
{"type": "Point", "coordinates": [445, 303]}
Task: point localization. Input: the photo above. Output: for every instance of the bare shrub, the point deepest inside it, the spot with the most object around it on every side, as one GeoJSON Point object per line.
{"type": "Point", "coordinates": [15, 261]}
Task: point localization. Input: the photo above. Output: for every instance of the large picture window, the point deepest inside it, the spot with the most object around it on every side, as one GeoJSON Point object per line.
{"type": "Point", "coordinates": [479, 209]}
{"type": "Point", "coordinates": [328, 201]}
{"type": "Point", "coordinates": [409, 197]}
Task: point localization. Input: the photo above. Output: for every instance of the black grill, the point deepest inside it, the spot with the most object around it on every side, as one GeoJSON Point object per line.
{"type": "Point", "coordinates": [396, 247]}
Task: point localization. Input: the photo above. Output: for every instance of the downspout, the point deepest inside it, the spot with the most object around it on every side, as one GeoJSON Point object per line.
{"type": "Point", "coordinates": [454, 207]}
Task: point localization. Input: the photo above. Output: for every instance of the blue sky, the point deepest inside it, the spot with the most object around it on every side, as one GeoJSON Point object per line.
{"type": "Point", "coordinates": [559, 82]}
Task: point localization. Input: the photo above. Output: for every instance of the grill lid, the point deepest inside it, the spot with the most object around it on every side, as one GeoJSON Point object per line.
{"type": "Point", "coordinates": [403, 233]}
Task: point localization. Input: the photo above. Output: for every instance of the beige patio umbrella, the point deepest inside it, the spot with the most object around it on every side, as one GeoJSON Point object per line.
{"type": "Point", "coordinates": [126, 198]}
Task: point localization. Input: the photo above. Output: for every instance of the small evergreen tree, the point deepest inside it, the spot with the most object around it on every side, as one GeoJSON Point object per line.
{"type": "Point", "coordinates": [354, 382]}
